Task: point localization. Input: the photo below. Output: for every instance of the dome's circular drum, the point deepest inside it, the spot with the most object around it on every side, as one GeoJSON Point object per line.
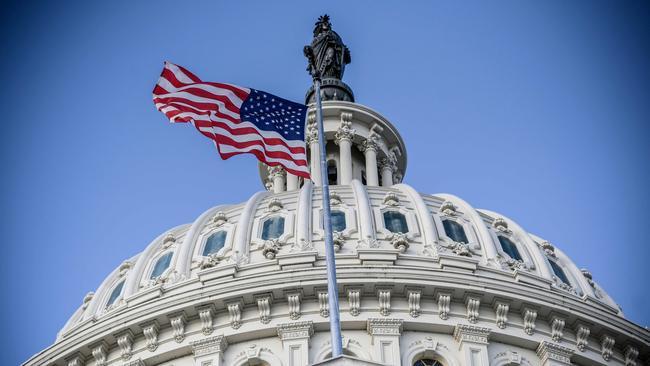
{"type": "Point", "coordinates": [456, 276]}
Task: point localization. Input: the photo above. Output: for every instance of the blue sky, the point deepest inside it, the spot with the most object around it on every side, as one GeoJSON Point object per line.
{"type": "Point", "coordinates": [537, 110]}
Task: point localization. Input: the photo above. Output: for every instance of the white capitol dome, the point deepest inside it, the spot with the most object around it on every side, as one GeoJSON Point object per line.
{"type": "Point", "coordinates": [423, 279]}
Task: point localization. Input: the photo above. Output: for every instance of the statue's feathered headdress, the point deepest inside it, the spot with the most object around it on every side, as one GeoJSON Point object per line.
{"type": "Point", "coordinates": [322, 20]}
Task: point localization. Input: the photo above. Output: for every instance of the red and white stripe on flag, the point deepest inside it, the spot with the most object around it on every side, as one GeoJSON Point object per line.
{"type": "Point", "coordinates": [214, 109]}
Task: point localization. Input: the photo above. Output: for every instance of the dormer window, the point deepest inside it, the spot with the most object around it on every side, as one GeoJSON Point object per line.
{"type": "Point", "coordinates": [395, 222]}
{"type": "Point", "coordinates": [338, 221]}
{"type": "Point", "coordinates": [559, 273]}
{"type": "Point", "coordinates": [273, 228]}
{"type": "Point", "coordinates": [115, 294]}
{"type": "Point", "coordinates": [215, 242]}
{"type": "Point", "coordinates": [161, 265]}
{"type": "Point", "coordinates": [510, 248]}
{"type": "Point", "coordinates": [455, 231]}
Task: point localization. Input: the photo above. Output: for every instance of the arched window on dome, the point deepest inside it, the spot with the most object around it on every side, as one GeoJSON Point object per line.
{"type": "Point", "coordinates": [338, 221]}
{"type": "Point", "coordinates": [215, 242]}
{"type": "Point", "coordinates": [455, 231]}
{"type": "Point", "coordinates": [273, 228]}
{"type": "Point", "coordinates": [395, 222]}
{"type": "Point", "coordinates": [161, 265]}
{"type": "Point", "coordinates": [115, 294]}
{"type": "Point", "coordinates": [427, 362]}
{"type": "Point", "coordinates": [510, 248]}
{"type": "Point", "coordinates": [559, 272]}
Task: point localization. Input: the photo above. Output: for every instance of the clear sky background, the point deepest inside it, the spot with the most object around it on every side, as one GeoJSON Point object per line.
{"type": "Point", "coordinates": [537, 110]}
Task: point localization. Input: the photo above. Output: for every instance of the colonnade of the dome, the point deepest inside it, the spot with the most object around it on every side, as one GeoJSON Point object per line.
{"type": "Point", "coordinates": [360, 144]}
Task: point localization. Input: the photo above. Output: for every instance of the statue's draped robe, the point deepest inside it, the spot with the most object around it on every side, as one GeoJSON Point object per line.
{"type": "Point", "coordinates": [330, 54]}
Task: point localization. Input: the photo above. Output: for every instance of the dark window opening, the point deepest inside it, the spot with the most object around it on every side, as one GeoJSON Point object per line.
{"type": "Point", "coordinates": [395, 222]}
{"type": "Point", "coordinates": [455, 231]}
{"type": "Point", "coordinates": [559, 273]}
{"type": "Point", "coordinates": [331, 172]}
{"type": "Point", "coordinates": [510, 248]}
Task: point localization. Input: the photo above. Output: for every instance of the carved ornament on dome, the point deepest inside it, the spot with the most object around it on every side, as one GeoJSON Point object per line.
{"type": "Point", "coordinates": [551, 351]}
{"type": "Point", "coordinates": [312, 129]}
{"type": "Point", "coordinates": [590, 280]}
{"type": "Point", "coordinates": [210, 260]}
{"type": "Point", "coordinates": [448, 208]}
{"type": "Point", "coordinates": [388, 162]}
{"type": "Point", "coordinates": [89, 296]}
{"type": "Point", "coordinates": [548, 248]}
{"type": "Point", "coordinates": [178, 321]}
{"type": "Point", "coordinates": [399, 241]}
{"type": "Point", "coordinates": [268, 184]}
{"type": "Point", "coordinates": [631, 353]}
{"type": "Point", "coordinates": [508, 263]}
{"type": "Point", "coordinates": [429, 251]}
{"type": "Point", "coordinates": [270, 248]}
{"type": "Point", "coordinates": [345, 131]}
{"type": "Point", "coordinates": [606, 347]}
{"type": "Point", "coordinates": [501, 225]}
{"type": "Point", "coordinates": [371, 143]}
{"type": "Point", "coordinates": [206, 315]}
{"type": "Point", "coordinates": [116, 304]}
{"type": "Point", "coordinates": [125, 267]}
{"type": "Point", "coordinates": [471, 334]}
{"type": "Point", "coordinates": [169, 239]}
{"type": "Point", "coordinates": [238, 258]}
{"type": "Point", "coordinates": [253, 352]}
{"type": "Point", "coordinates": [276, 171]}
{"type": "Point", "coordinates": [295, 330]}
{"type": "Point", "coordinates": [582, 336]}
{"type": "Point", "coordinates": [428, 344]}
{"type": "Point", "coordinates": [207, 346]}
{"type": "Point", "coordinates": [323, 304]}
{"type": "Point", "coordinates": [302, 245]}
{"type": "Point", "coordinates": [368, 242]}
{"type": "Point", "coordinates": [335, 199]}
{"type": "Point", "coordinates": [457, 248]}
{"type": "Point", "coordinates": [397, 177]}
{"type": "Point", "coordinates": [264, 308]}
{"type": "Point", "coordinates": [275, 205]}
{"type": "Point", "coordinates": [510, 357]}
{"type": "Point", "coordinates": [563, 286]}
{"type": "Point", "coordinates": [100, 353]}
{"type": "Point", "coordinates": [235, 310]}
{"type": "Point", "coordinates": [219, 218]}
{"type": "Point", "coordinates": [391, 199]}
{"type": "Point", "coordinates": [338, 239]}
{"type": "Point", "coordinates": [384, 326]}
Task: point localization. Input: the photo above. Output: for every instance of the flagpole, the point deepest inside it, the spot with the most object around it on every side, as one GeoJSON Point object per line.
{"type": "Point", "coordinates": [332, 289]}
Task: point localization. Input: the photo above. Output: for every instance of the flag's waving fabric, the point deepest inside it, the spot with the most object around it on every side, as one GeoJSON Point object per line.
{"type": "Point", "coordinates": [239, 120]}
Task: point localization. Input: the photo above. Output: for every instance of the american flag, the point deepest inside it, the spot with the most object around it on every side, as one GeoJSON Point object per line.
{"type": "Point", "coordinates": [239, 120]}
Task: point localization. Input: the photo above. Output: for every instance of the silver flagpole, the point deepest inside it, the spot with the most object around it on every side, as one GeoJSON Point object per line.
{"type": "Point", "coordinates": [332, 289]}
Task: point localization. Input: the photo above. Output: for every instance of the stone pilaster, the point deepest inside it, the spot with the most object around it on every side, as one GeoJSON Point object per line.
{"type": "Point", "coordinates": [552, 354]}
{"type": "Point", "coordinates": [472, 343]}
{"type": "Point", "coordinates": [209, 351]}
{"type": "Point", "coordinates": [295, 341]}
{"type": "Point", "coordinates": [386, 334]}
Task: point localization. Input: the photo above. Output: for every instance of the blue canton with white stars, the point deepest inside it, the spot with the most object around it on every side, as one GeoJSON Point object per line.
{"type": "Point", "coordinates": [271, 113]}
